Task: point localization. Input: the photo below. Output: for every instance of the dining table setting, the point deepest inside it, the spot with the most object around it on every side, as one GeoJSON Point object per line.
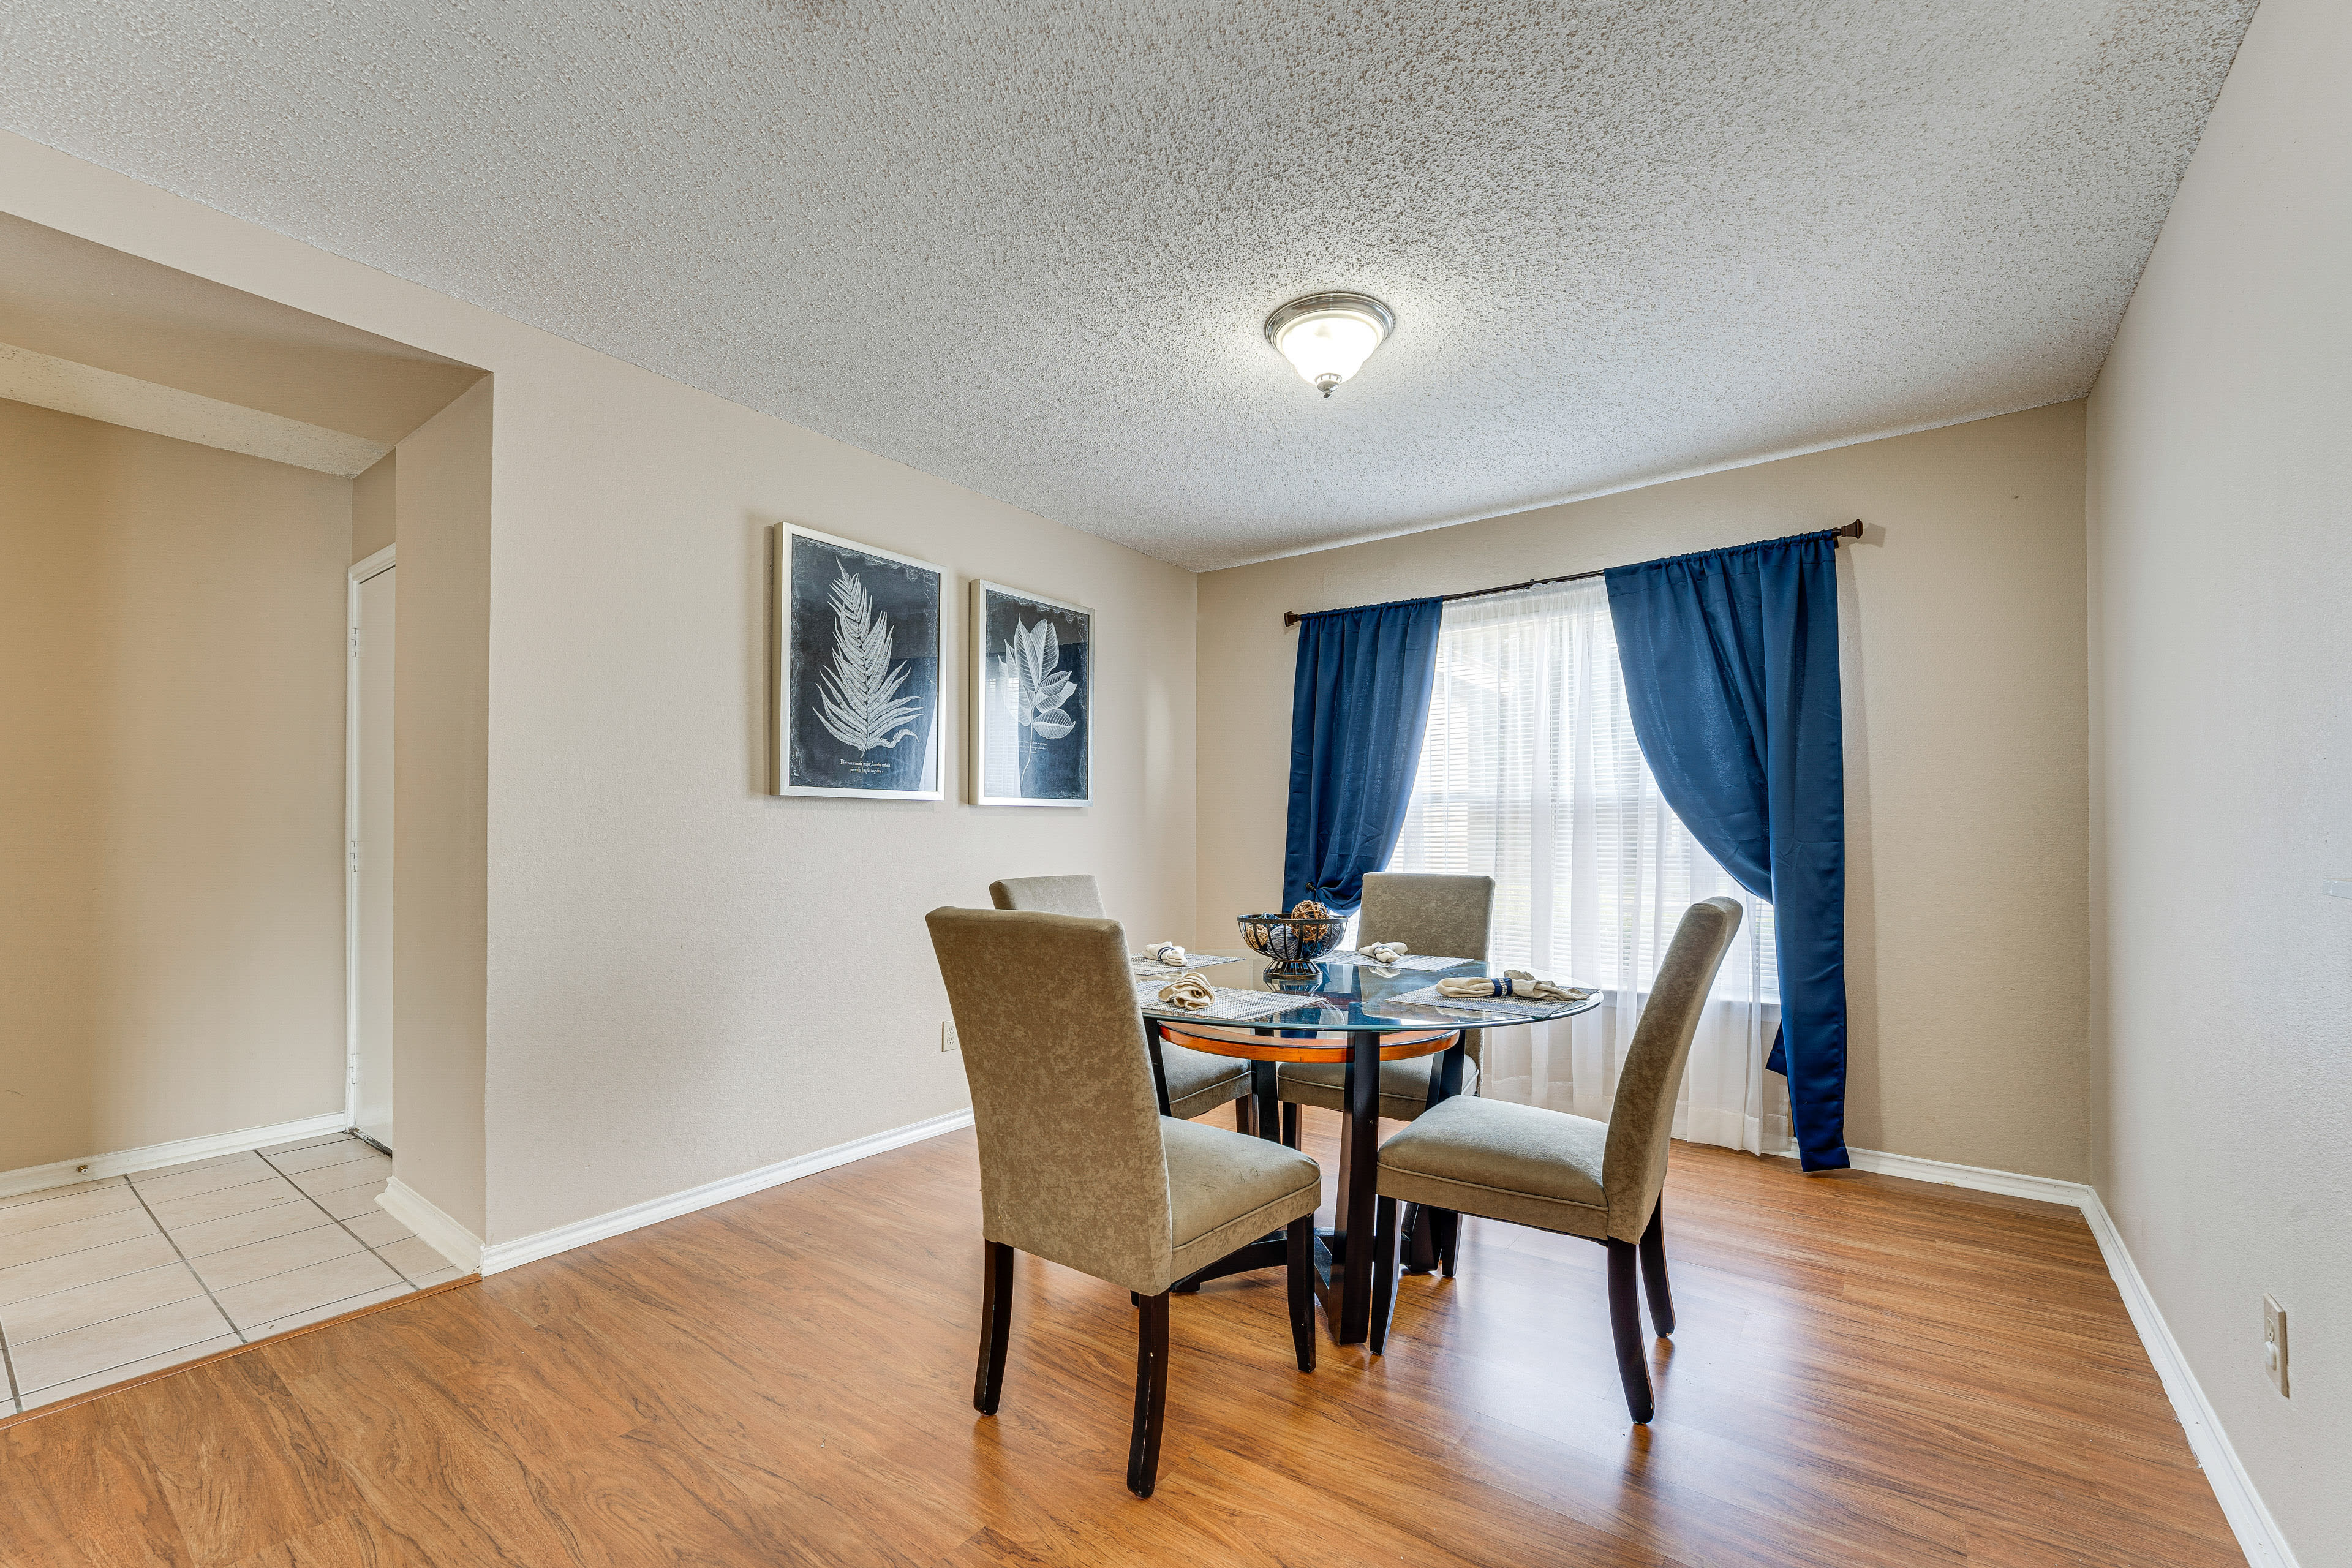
{"type": "Point", "coordinates": [1294, 995]}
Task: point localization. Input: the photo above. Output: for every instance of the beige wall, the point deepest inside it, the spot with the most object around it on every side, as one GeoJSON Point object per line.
{"type": "Point", "coordinates": [63, 295]}
{"type": "Point", "coordinates": [1963, 661]}
{"type": "Point", "coordinates": [374, 517]}
{"type": "Point", "coordinates": [2220, 461]}
{"type": "Point", "coordinates": [171, 789]}
{"type": "Point", "coordinates": [676, 962]}
{"type": "Point", "coordinates": [441, 694]}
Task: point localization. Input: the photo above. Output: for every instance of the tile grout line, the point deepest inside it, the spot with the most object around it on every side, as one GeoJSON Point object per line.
{"type": "Point", "coordinates": [368, 1247]}
{"type": "Point", "coordinates": [54, 1225]}
{"type": "Point", "coordinates": [190, 1266]}
{"type": "Point", "coordinates": [8, 1364]}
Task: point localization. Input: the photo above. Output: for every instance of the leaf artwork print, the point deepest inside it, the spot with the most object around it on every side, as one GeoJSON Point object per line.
{"type": "Point", "coordinates": [858, 698]}
{"type": "Point", "coordinates": [1034, 687]}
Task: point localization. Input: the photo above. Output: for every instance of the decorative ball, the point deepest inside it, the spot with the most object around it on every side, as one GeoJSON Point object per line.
{"type": "Point", "coordinates": [1310, 909]}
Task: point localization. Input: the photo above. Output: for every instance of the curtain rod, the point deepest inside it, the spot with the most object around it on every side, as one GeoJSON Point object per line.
{"type": "Point", "coordinates": [1292, 618]}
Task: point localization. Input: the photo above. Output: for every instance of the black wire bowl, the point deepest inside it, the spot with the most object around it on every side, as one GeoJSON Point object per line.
{"type": "Point", "coordinates": [1291, 943]}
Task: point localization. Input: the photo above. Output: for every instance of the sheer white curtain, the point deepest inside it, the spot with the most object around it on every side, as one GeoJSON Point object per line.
{"type": "Point", "coordinates": [1530, 774]}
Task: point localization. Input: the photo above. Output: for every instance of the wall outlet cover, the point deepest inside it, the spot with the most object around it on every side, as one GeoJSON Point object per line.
{"type": "Point", "coordinates": [2274, 1344]}
{"type": "Point", "coordinates": [948, 1041]}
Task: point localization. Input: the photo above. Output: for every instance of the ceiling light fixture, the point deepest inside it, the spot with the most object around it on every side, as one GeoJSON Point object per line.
{"type": "Point", "coordinates": [1327, 336]}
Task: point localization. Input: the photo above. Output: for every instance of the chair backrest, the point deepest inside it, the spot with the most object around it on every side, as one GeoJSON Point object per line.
{"type": "Point", "coordinates": [1048, 895]}
{"type": "Point", "coordinates": [1071, 1163]}
{"type": "Point", "coordinates": [1446, 917]}
{"type": "Point", "coordinates": [1641, 1121]}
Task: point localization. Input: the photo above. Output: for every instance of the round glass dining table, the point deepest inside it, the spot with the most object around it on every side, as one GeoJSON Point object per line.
{"type": "Point", "coordinates": [1352, 1011]}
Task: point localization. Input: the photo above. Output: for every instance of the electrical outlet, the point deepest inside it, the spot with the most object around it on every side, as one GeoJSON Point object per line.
{"type": "Point", "coordinates": [2274, 1344]}
{"type": "Point", "coordinates": [948, 1041]}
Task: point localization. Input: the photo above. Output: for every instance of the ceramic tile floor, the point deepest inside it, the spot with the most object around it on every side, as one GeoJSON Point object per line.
{"type": "Point", "coordinates": [108, 1279]}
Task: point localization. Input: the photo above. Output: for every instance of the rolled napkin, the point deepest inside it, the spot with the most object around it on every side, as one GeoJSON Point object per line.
{"type": "Point", "coordinates": [1166, 953]}
{"type": "Point", "coordinates": [1514, 982]}
{"type": "Point", "coordinates": [1383, 951]}
{"type": "Point", "coordinates": [1188, 991]}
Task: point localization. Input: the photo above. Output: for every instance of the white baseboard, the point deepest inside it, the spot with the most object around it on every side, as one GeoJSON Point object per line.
{"type": "Point", "coordinates": [124, 1162]}
{"type": "Point", "coordinates": [2241, 1505]}
{"type": "Point", "coordinates": [435, 1229]}
{"type": "Point", "coordinates": [1976, 1178]}
{"type": "Point", "coordinates": [2258, 1532]}
{"type": "Point", "coordinates": [579, 1233]}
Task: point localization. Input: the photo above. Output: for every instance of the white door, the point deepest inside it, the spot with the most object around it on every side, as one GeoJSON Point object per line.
{"type": "Point", "coordinates": [371, 853]}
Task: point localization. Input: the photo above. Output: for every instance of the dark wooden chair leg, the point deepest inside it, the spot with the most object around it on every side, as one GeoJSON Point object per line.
{"type": "Point", "coordinates": [1151, 1395]}
{"type": "Point", "coordinates": [1417, 1243]}
{"type": "Point", "coordinates": [1625, 1325]}
{"type": "Point", "coordinates": [1447, 1233]}
{"type": "Point", "coordinates": [1299, 1240]}
{"type": "Point", "coordinates": [1654, 1272]}
{"type": "Point", "coordinates": [995, 1326]}
{"type": "Point", "coordinates": [1246, 1115]}
{"type": "Point", "coordinates": [1384, 1273]}
{"type": "Point", "coordinates": [1290, 1125]}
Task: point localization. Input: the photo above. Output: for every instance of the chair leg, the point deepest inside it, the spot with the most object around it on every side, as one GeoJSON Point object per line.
{"type": "Point", "coordinates": [1385, 1272]}
{"type": "Point", "coordinates": [1300, 1250]}
{"type": "Point", "coordinates": [1654, 1272]}
{"type": "Point", "coordinates": [1151, 1395]}
{"type": "Point", "coordinates": [1246, 1115]}
{"type": "Point", "coordinates": [1625, 1325]}
{"type": "Point", "coordinates": [995, 1326]}
{"type": "Point", "coordinates": [1449, 1240]}
{"type": "Point", "coordinates": [1289, 1125]}
{"type": "Point", "coordinates": [1417, 1240]}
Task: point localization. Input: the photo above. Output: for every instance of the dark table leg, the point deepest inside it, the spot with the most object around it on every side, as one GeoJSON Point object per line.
{"type": "Point", "coordinates": [1152, 1040]}
{"type": "Point", "coordinates": [1359, 1151]}
{"type": "Point", "coordinates": [1426, 1229]}
{"type": "Point", "coordinates": [1266, 1089]}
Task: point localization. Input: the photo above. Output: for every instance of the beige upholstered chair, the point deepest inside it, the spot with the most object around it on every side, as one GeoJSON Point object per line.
{"type": "Point", "coordinates": [1078, 1166]}
{"type": "Point", "coordinates": [1439, 916]}
{"type": "Point", "coordinates": [1197, 1081]}
{"type": "Point", "coordinates": [1446, 916]}
{"type": "Point", "coordinates": [1599, 1180]}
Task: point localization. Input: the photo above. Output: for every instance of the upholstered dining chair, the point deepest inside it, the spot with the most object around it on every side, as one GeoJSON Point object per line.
{"type": "Point", "coordinates": [1196, 1081]}
{"type": "Point", "coordinates": [1444, 917]}
{"type": "Point", "coordinates": [1439, 916]}
{"type": "Point", "coordinates": [1600, 1180]}
{"type": "Point", "coordinates": [1078, 1166]}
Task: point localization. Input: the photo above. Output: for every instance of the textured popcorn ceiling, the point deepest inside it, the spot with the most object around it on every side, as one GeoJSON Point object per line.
{"type": "Point", "coordinates": [1028, 247]}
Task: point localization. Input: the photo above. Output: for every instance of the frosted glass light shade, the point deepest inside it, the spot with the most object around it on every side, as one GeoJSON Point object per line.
{"type": "Point", "coordinates": [1328, 337]}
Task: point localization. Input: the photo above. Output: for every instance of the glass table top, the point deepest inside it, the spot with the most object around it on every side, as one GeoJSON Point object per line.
{"type": "Point", "coordinates": [1348, 994]}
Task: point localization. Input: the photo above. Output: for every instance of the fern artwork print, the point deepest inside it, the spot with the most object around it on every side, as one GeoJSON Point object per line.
{"type": "Point", "coordinates": [1033, 706]}
{"type": "Point", "coordinates": [858, 690]}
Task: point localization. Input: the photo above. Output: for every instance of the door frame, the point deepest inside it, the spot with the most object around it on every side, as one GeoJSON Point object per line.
{"type": "Point", "coordinates": [374, 565]}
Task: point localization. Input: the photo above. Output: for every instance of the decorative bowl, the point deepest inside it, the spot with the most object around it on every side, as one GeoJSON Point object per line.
{"type": "Point", "coordinates": [1292, 942]}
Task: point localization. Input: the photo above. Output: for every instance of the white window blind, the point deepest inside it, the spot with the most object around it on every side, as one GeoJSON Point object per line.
{"type": "Point", "coordinates": [1530, 774]}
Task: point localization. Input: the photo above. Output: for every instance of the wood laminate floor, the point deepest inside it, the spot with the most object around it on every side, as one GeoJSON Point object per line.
{"type": "Point", "coordinates": [1868, 1372]}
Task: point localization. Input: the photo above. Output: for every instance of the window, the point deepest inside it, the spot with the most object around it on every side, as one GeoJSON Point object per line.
{"type": "Point", "coordinates": [1530, 774]}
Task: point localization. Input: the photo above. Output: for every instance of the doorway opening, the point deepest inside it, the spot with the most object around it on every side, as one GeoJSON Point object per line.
{"type": "Point", "coordinates": [203, 496]}
{"type": "Point", "coordinates": [368, 842]}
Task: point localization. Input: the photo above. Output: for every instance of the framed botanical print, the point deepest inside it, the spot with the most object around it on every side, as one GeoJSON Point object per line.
{"type": "Point", "coordinates": [1032, 711]}
{"type": "Point", "coordinates": [859, 640]}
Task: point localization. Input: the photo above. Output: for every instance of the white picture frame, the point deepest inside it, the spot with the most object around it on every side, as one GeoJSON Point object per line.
{"type": "Point", "coordinates": [861, 643]}
{"type": "Point", "coordinates": [1033, 698]}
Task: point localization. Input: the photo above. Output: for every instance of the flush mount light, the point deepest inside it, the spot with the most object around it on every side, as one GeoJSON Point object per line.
{"type": "Point", "coordinates": [1327, 336]}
